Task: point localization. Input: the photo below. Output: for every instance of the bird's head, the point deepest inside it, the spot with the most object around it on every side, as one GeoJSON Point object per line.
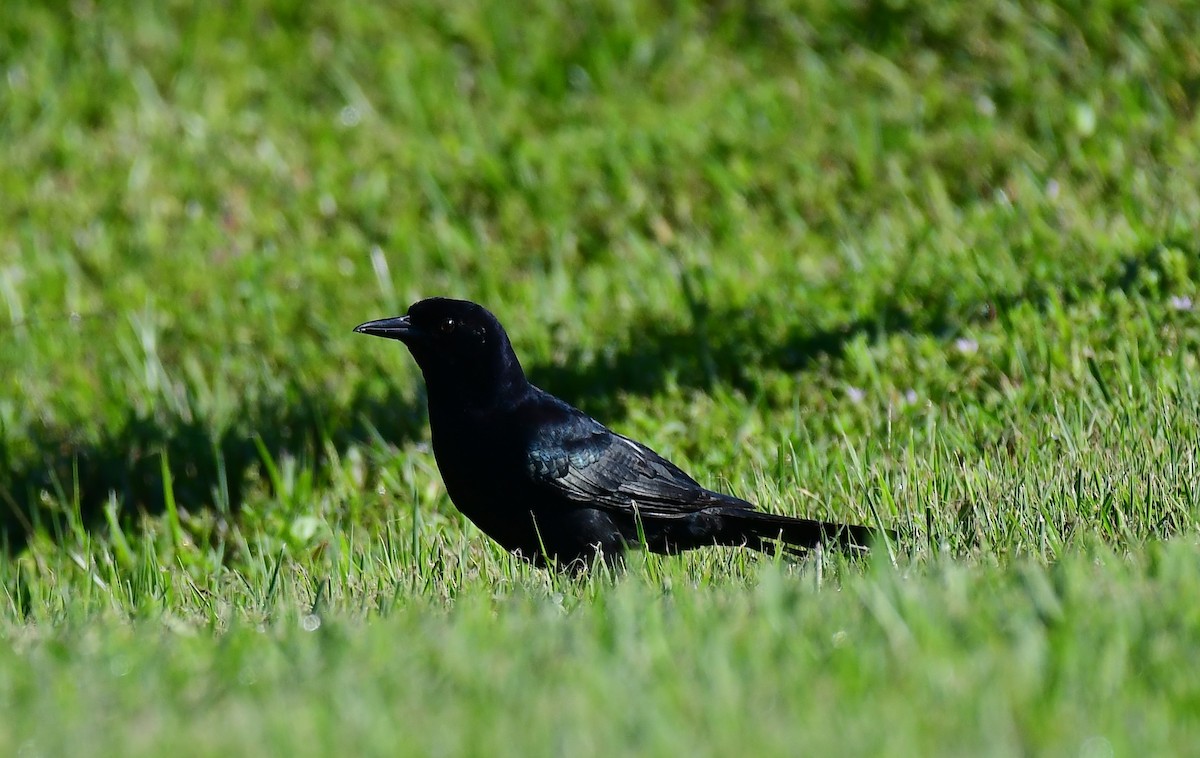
{"type": "Point", "coordinates": [460, 347]}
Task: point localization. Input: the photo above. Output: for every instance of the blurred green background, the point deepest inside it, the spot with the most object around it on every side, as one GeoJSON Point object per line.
{"type": "Point", "coordinates": [931, 262]}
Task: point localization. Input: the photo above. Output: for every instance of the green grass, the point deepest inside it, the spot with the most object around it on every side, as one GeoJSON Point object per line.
{"type": "Point", "coordinates": [931, 264]}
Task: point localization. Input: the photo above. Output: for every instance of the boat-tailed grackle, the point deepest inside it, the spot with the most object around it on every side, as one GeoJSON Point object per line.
{"type": "Point", "coordinates": [549, 482]}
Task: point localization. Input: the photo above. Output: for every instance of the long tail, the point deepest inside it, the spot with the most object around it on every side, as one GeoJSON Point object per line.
{"type": "Point", "coordinates": [770, 532]}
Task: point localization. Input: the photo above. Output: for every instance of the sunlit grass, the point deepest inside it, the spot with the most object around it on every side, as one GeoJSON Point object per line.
{"type": "Point", "coordinates": [933, 267]}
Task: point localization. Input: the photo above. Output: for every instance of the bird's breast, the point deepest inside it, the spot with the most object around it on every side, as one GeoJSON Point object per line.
{"type": "Point", "coordinates": [477, 465]}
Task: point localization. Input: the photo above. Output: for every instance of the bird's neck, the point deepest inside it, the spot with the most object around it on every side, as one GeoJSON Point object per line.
{"type": "Point", "coordinates": [479, 388]}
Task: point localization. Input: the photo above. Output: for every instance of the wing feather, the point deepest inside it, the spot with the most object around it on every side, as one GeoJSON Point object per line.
{"type": "Point", "coordinates": [588, 463]}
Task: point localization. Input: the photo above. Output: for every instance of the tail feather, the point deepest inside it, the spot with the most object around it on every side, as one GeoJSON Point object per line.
{"type": "Point", "coordinates": [770, 532]}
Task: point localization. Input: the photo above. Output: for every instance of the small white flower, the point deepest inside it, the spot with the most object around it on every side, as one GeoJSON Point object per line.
{"type": "Point", "coordinates": [985, 106]}
{"type": "Point", "coordinates": [350, 116]}
{"type": "Point", "coordinates": [966, 346]}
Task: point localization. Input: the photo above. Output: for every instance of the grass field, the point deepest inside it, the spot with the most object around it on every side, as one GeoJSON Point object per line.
{"type": "Point", "coordinates": [931, 264]}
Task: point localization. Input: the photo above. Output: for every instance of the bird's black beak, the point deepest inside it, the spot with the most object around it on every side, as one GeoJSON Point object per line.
{"type": "Point", "coordinates": [398, 328]}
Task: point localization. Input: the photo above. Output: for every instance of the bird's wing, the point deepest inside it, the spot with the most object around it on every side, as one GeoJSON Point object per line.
{"type": "Point", "coordinates": [587, 463]}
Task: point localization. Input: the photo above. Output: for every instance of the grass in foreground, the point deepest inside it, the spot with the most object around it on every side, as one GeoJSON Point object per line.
{"type": "Point", "coordinates": [1087, 655]}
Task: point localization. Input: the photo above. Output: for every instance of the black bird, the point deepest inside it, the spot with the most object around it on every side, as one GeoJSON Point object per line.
{"type": "Point", "coordinates": [549, 482]}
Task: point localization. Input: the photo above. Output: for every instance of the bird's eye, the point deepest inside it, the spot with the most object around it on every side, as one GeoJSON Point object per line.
{"type": "Point", "coordinates": [447, 326]}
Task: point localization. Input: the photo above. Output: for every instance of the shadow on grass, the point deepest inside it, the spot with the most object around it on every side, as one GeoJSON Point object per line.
{"type": "Point", "coordinates": [730, 346]}
{"type": "Point", "coordinates": [211, 469]}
